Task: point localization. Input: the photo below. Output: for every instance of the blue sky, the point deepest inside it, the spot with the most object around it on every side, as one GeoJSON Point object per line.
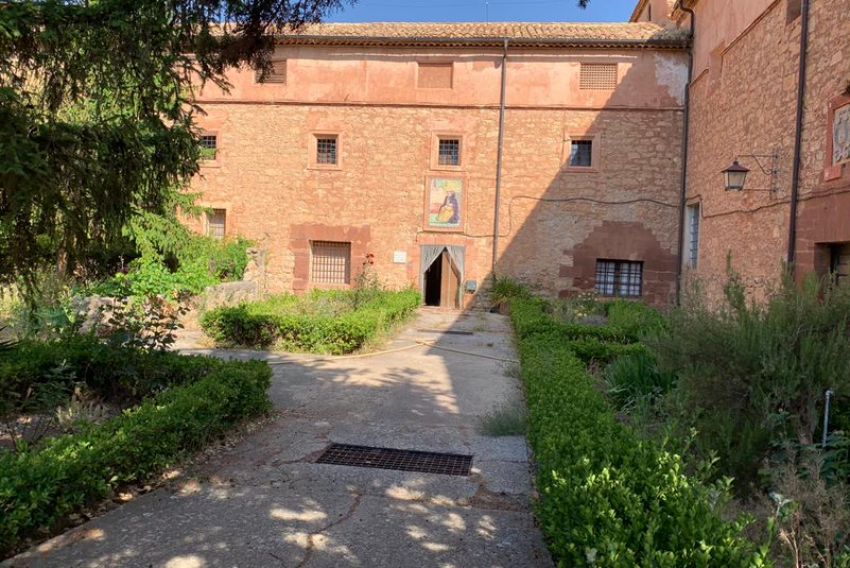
{"type": "Point", "coordinates": [476, 10]}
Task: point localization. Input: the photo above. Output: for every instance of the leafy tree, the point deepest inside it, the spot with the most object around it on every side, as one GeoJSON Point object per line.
{"type": "Point", "coordinates": [97, 114]}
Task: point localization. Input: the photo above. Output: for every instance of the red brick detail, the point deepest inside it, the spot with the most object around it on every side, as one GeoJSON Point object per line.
{"type": "Point", "coordinates": [301, 236]}
{"type": "Point", "coordinates": [624, 241]}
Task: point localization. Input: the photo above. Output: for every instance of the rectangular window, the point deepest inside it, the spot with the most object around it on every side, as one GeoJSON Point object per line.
{"type": "Point", "coordinates": [209, 146]}
{"type": "Point", "coordinates": [435, 76]}
{"type": "Point", "coordinates": [598, 76]}
{"type": "Point", "coordinates": [276, 74]}
{"type": "Point", "coordinates": [839, 262]}
{"type": "Point", "coordinates": [449, 152]}
{"type": "Point", "coordinates": [692, 236]}
{"type": "Point", "coordinates": [581, 153]}
{"type": "Point", "coordinates": [216, 223]}
{"type": "Point", "coordinates": [331, 262]}
{"type": "Point", "coordinates": [620, 278]}
{"type": "Point", "coordinates": [326, 150]}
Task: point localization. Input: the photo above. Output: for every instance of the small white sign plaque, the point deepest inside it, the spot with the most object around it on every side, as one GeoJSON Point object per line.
{"type": "Point", "coordinates": [400, 257]}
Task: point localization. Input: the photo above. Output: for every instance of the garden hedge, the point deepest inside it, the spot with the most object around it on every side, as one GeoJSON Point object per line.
{"type": "Point", "coordinates": [41, 486]}
{"type": "Point", "coordinates": [118, 374]}
{"type": "Point", "coordinates": [609, 498]}
{"type": "Point", "coordinates": [256, 326]}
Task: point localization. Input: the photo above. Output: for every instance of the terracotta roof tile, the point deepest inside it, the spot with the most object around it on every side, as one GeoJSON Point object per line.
{"type": "Point", "coordinates": [638, 33]}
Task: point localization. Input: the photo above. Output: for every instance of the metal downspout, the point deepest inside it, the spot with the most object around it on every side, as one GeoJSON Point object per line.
{"type": "Point", "coordinates": [500, 155]}
{"type": "Point", "coordinates": [798, 140]}
{"type": "Point", "coordinates": [685, 149]}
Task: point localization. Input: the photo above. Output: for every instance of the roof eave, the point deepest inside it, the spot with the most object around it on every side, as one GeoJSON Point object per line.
{"type": "Point", "coordinates": [389, 41]}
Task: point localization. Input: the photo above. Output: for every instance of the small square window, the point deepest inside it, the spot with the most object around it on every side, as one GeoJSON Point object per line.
{"type": "Point", "coordinates": [275, 74]}
{"type": "Point", "coordinates": [449, 152]}
{"type": "Point", "coordinates": [619, 278]}
{"type": "Point", "coordinates": [331, 262]}
{"type": "Point", "coordinates": [326, 150]}
{"type": "Point", "coordinates": [209, 146]}
{"type": "Point", "coordinates": [581, 153]}
{"type": "Point", "coordinates": [217, 223]}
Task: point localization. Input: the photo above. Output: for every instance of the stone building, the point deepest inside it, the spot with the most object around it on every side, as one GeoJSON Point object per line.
{"type": "Point", "coordinates": [743, 105]}
{"type": "Point", "coordinates": [441, 153]}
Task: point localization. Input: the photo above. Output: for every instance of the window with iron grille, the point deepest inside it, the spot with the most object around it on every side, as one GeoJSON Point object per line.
{"type": "Point", "coordinates": [622, 278]}
{"type": "Point", "coordinates": [581, 154]}
{"type": "Point", "coordinates": [326, 150]}
{"type": "Point", "coordinates": [598, 76]}
{"type": "Point", "coordinates": [449, 152]}
{"type": "Point", "coordinates": [692, 237]}
{"type": "Point", "coordinates": [331, 262]}
{"type": "Point", "coordinates": [276, 74]}
{"type": "Point", "coordinates": [216, 223]}
{"type": "Point", "coordinates": [209, 146]}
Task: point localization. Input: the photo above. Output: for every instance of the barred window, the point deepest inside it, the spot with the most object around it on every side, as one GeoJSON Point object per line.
{"type": "Point", "coordinates": [598, 76]}
{"type": "Point", "coordinates": [581, 154]}
{"type": "Point", "coordinates": [449, 152]}
{"type": "Point", "coordinates": [692, 236]}
{"type": "Point", "coordinates": [209, 146]}
{"type": "Point", "coordinates": [326, 150]}
{"type": "Point", "coordinates": [276, 73]}
{"type": "Point", "coordinates": [331, 262]}
{"type": "Point", "coordinates": [622, 278]}
{"type": "Point", "coordinates": [216, 223]}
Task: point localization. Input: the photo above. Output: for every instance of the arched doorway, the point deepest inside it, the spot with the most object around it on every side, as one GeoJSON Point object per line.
{"type": "Point", "coordinates": [442, 274]}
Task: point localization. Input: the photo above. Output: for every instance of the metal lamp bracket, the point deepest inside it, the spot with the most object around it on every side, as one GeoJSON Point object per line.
{"type": "Point", "coordinates": [769, 166]}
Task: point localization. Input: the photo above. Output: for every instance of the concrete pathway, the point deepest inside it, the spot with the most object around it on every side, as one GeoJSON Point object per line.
{"type": "Point", "coordinates": [266, 503]}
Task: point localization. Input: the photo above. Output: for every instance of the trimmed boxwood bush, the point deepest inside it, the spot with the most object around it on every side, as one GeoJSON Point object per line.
{"type": "Point", "coordinates": [40, 486]}
{"type": "Point", "coordinates": [118, 374]}
{"type": "Point", "coordinates": [609, 498]}
{"type": "Point", "coordinates": [262, 324]}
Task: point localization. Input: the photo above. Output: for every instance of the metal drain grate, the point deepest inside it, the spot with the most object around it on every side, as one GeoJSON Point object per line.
{"type": "Point", "coordinates": [401, 460]}
{"type": "Point", "coordinates": [447, 331]}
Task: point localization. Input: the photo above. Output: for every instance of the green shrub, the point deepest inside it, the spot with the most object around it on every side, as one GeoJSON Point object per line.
{"type": "Point", "coordinates": [505, 289]}
{"type": "Point", "coordinates": [609, 498]}
{"type": "Point", "coordinates": [40, 486]}
{"type": "Point", "coordinates": [325, 322]}
{"type": "Point", "coordinates": [120, 374]}
{"type": "Point", "coordinates": [636, 376]}
{"type": "Point", "coordinates": [197, 262]}
{"type": "Point", "coordinates": [633, 318]}
{"type": "Point", "coordinates": [753, 375]}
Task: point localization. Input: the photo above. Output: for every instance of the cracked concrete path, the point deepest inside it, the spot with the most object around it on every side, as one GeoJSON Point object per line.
{"type": "Point", "coordinates": [266, 502]}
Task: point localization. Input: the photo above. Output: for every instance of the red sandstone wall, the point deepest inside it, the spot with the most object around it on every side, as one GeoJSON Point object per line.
{"type": "Point", "coordinates": [743, 101]}
{"type": "Point", "coordinates": [264, 178]}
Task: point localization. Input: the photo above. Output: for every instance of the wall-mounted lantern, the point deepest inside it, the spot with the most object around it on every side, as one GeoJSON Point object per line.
{"type": "Point", "coordinates": [735, 175]}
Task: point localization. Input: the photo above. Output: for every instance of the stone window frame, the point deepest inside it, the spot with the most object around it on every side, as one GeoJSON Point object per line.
{"type": "Point", "coordinates": [595, 153]}
{"type": "Point", "coordinates": [314, 149]}
{"type": "Point", "coordinates": [227, 207]}
{"type": "Point", "coordinates": [435, 62]}
{"type": "Point", "coordinates": [214, 162]}
{"type": "Point", "coordinates": [840, 170]}
{"type": "Point", "coordinates": [346, 283]}
{"type": "Point", "coordinates": [435, 151]}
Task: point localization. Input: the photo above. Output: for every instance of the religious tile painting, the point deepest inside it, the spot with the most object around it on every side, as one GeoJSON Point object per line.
{"type": "Point", "coordinates": [841, 135]}
{"type": "Point", "coordinates": [445, 204]}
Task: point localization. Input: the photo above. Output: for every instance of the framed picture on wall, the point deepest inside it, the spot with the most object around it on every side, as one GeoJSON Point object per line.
{"type": "Point", "coordinates": [445, 203]}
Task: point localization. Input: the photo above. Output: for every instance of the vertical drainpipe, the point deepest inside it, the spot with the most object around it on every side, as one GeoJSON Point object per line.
{"type": "Point", "coordinates": [798, 140]}
{"type": "Point", "coordinates": [685, 143]}
{"type": "Point", "coordinates": [501, 150]}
